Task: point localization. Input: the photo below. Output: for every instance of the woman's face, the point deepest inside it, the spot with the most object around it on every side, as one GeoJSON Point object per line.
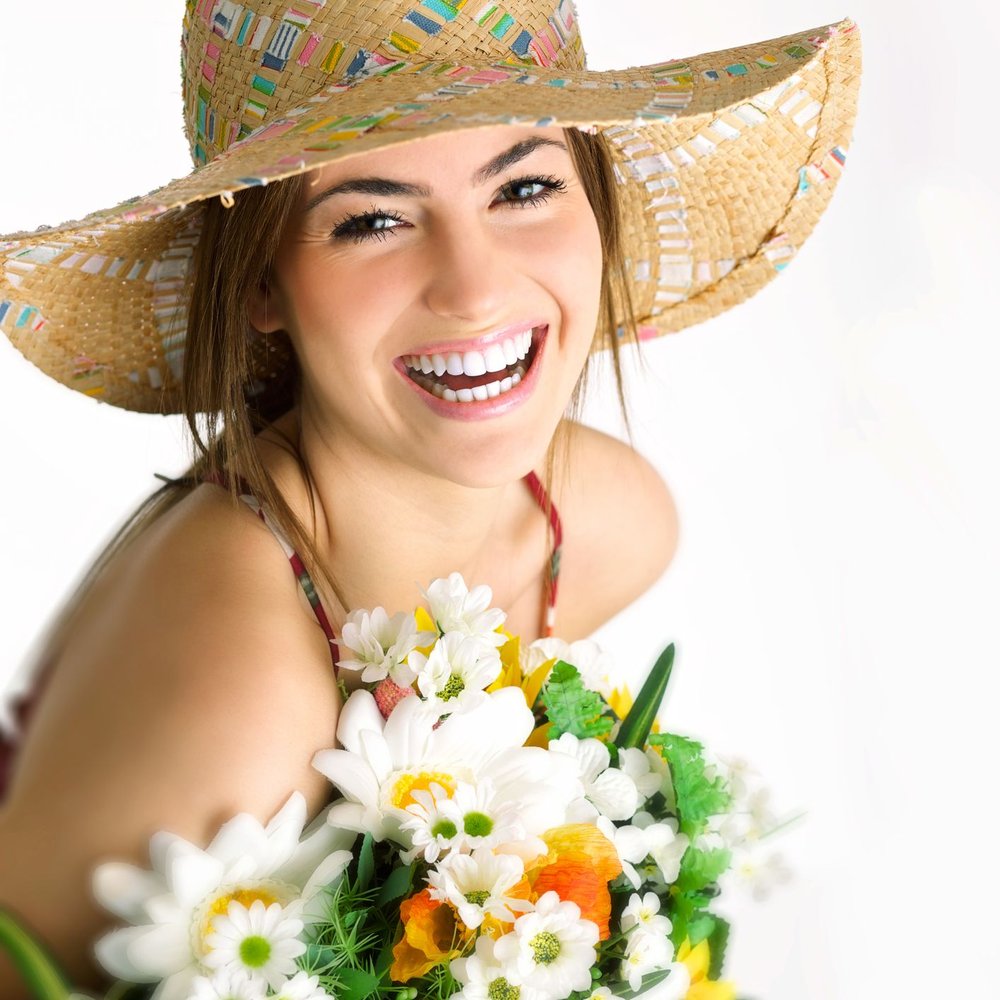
{"type": "Point", "coordinates": [441, 297]}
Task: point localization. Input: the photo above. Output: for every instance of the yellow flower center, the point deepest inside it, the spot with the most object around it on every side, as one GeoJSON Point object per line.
{"type": "Point", "coordinates": [500, 989]}
{"type": "Point", "coordinates": [406, 784]}
{"type": "Point", "coordinates": [546, 947]}
{"type": "Point", "coordinates": [268, 892]}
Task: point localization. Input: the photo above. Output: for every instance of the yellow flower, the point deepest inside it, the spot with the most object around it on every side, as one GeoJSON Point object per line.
{"type": "Point", "coordinates": [620, 701]}
{"type": "Point", "coordinates": [511, 674]}
{"type": "Point", "coordinates": [697, 960]}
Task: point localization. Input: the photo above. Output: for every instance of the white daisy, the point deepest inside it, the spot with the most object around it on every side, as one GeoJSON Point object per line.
{"type": "Point", "coordinates": [381, 644]}
{"type": "Point", "coordinates": [644, 911]}
{"type": "Point", "coordinates": [481, 818]}
{"type": "Point", "coordinates": [301, 986]}
{"type": "Point", "coordinates": [430, 829]}
{"type": "Point", "coordinates": [226, 984]}
{"type": "Point", "coordinates": [261, 940]}
{"type": "Point", "coordinates": [645, 952]}
{"type": "Point", "coordinates": [665, 845]}
{"type": "Point", "coordinates": [174, 907]}
{"type": "Point", "coordinates": [457, 664]}
{"type": "Point", "coordinates": [385, 760]}
{"type": "Point", "coordinates": [483, 977]}
{"type": "Point", "coordinates": [455, 608]}
{"type": "Point", "coordinates": [476, 885]}
{"type": "Point", "coordinates": [552, 948]}
{"type": "Point", "coordinates": [611, 791]}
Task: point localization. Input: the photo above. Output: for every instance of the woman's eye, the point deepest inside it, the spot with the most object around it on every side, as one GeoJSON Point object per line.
{"type": "Point", "coordinates": [548, 185]}
{"type": "Point", "coordinates": [354, 227]}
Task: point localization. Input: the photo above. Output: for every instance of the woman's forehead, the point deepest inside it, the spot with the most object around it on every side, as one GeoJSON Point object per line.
{"type": "Point", "coordinates": [462, 150]}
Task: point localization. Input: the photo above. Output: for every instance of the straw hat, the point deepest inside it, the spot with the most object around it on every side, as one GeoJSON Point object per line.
{"type": "Point", "coordinates": [724, 160]}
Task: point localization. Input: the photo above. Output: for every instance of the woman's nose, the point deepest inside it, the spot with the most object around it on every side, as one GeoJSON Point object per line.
{"type": "Point", "coordinates": [469, 273]}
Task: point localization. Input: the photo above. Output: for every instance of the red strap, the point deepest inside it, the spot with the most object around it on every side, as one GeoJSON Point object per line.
{"type": "Point", "coordinates": [545, 502]}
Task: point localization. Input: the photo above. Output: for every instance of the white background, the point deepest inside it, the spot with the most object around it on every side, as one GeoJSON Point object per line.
{"type": "Point", "coordinates": [830, 445]}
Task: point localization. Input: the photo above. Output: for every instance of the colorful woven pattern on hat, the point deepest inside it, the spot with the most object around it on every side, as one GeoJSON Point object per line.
{"type": "Point", "coordinates": [724, 162]}
{"type": "Point", "coordinates": [245, 62]}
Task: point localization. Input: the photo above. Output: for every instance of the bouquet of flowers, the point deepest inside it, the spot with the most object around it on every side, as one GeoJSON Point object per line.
{"type": "Point", "coordinates": [510, 826]}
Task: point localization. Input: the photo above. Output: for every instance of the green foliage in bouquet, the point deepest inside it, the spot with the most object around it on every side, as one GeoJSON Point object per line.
{"type": "Point", "coordinates": [349, 950]}
{"type": "Point", "coordinates": [573, 708]}
{"type": "Point", "coordinates": [638, 724]}
{"type": "Point", "coordinates": [697, 797]}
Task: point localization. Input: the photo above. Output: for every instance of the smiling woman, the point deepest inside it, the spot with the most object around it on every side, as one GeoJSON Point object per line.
{"type": "Point", "coordinates": [375, 301]}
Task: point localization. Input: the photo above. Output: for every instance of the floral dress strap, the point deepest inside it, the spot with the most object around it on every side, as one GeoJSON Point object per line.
{"type": "Point", "coordinates": [298, 566]}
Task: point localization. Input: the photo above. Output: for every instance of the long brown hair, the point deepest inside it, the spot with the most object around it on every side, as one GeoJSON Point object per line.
{"type": "Point", "coordinates": [225, 408]}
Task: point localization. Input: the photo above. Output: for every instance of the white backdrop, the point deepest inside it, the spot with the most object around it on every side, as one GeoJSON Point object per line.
{"type": "Point", "coordinates": [829, 444]}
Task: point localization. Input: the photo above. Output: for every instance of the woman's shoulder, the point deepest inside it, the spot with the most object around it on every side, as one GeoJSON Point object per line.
{"type": "Point", "coordinates": [620, 525]}
{"type": "Point", "coordinates": [194, 631]}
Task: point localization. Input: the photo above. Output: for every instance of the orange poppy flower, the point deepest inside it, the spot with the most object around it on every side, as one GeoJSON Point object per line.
{"type": "Point", "coordinates": [431, 935]}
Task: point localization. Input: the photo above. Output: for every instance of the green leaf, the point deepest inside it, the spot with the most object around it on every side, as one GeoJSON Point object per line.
{"type": "Point", "coordinates": [571, 707]}
{"type": "Point", "coordinates": [700, 928]}
{"type": "Point", "coordinates": [701, 868]}
{"type": "Point", "coordinates": [366, 863]}
{"type": "Point", "coordinates": [697, 796]}
{"type": "Point", "coordinates": [41, 973]}
{"type": "Point", "coordinates": [395, 886]}
{"type": "Point", "coordinates": [356, 984]}
{"type": "Point", "coordinates": [684, 909]}
{"type": "Point", "coordinates": [637, 725]}
{"type": "Point", "coordinates": [718, 940]}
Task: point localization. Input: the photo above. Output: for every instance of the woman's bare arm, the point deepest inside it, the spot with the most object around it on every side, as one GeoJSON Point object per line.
{"type": "Point", "coordinates": [195, 688]}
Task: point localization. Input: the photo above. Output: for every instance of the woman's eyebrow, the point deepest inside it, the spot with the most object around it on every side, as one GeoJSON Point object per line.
{"type": "Point", "coordinates": [385, 186]}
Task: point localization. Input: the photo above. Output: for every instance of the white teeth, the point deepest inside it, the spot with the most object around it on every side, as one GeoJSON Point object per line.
{"type": "Point", "coordinates": [478, 393]}
{"type": "Point", "coordinates": [494, 357]}
{"type": "Point", "coordinates": [474, 363]}
{"type": "Point", "coordinates": [508, 354]}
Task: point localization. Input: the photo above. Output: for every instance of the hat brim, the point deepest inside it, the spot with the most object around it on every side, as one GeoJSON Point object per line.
{"type": "Point", "coordinates": [725, 161]}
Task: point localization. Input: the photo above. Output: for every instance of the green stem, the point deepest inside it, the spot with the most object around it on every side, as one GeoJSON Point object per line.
{"type": "Point", "coordinates": [44, 977]}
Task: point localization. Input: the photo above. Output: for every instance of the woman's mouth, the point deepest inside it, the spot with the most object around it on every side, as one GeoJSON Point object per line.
{"type": "Point", "coordinates": [475, 376]}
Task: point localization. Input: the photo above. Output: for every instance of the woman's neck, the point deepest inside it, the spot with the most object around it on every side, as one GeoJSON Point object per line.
{"type": "Point", "coordinates": [386, 528]}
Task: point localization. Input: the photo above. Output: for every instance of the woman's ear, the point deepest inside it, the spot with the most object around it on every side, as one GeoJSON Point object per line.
{"type": "Point", "coordinates": [265, 308]}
